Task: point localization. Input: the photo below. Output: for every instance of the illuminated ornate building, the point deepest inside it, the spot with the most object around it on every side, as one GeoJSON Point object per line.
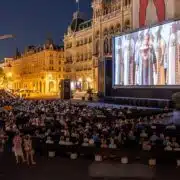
{"type": "Point", "coordinates": [39, 69]}
{"type": "Point", "coordinates": [89, 42]}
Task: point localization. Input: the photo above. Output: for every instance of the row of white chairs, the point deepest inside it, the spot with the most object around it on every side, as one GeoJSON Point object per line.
{"type": "Point", "coordinates": [124, 160]}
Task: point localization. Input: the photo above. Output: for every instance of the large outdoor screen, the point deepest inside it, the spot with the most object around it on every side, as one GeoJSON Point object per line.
{"type": "Point", "coordinates": [148, 57]}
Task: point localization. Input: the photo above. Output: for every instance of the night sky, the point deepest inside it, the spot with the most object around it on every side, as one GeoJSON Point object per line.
{"type": "Point", "coordinates": [32, 21]}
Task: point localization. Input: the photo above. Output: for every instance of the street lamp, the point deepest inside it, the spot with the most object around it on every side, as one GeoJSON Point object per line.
{"type": "Point", "coordinates": [9, 75]}
{"type": "Point", "coordinates": [9, 78]}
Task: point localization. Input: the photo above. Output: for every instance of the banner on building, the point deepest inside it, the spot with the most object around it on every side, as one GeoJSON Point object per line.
{"type": "Point", "coordinates": [148, 12]}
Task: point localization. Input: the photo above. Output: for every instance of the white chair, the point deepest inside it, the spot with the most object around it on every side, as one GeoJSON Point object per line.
{"type": "Point", "coordinates": [124, 160]}
{"type": "Point", "coordinates": [152, 162]}
{"type": "Point", "coordinates": [178, 162]}
{"type": "Point", "coordinates": [176, 149]}
{"type": "Point", "coordinates": [73, 156]}
{"type": "Point", "coordinates": [98, 158]}
{"type": "Point", "coordinates": [153, 127]}
{"type": "Point", "coordinates": [51, 154]}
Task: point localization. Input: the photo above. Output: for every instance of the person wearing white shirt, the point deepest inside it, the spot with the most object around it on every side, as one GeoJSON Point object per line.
{"type": "Point", "coordinates": [49, 141]}
{"type": "Point", "coordinates": [112, 145]}
{"type": "Point", "coordinates": [62, 142]}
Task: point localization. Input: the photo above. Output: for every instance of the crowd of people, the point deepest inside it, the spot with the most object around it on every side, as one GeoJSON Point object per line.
{"type": "Point", "coordinates": [67, 123]}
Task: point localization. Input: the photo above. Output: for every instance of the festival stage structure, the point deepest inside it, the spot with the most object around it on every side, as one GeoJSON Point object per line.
{"type": "Point", "coordinates": [146, 60]}
{"type": "Point", "coordinates": [145, 65]}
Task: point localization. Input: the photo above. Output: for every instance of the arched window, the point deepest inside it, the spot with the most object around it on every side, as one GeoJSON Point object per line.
{"type": "Point", "coordinates": [111, 30]}
{"type": "Point", "coordinates": [127, 2]}
{"type": "Point", "coordinates": [127, 24]}
{"type": "Point", "coordinates": [97, 47]}
{"type": "Point", "coordinates": [97, 34]}
{"type": "Point", "coordinates": [105, 32]}
{"type": "Point", "coordinates": [118, 28]}
{"type": "Point", "coordinates": [81, 57]}
{"type": "Point", "coordinates": [90, 55]}
{"type": "Point", "coordinates": [77, 56]}
{"type": "Point", "coordinates": [85, 56]}
{"type": "Point", "coordinates": [90, 39]}
{"type": "Point", "coordinates": [105, 11]}
{"type": "Point", "coordinates": [51, 86]}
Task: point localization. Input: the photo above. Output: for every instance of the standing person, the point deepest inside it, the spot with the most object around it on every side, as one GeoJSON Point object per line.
{"type": "Point", "coordinates": [128, 59]}
{"type": "Point", "coordinates": [137, 57]}
{"type": "Point", "coordinates": [166, 34]}
{"type": "Point", "coordinates": [147, 61]}
{"type": "Point", "coordinates": [29, 150]}
{"type": "Point", "coordinates": [17, 148]}
{"type": "Point", "coordinates": [159, 45]}
{"type": "Point", "coordinates": [119, 70]}
{"type": "Point", "coordinates": [172, 56]}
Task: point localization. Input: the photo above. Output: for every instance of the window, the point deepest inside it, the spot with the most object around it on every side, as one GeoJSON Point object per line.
{"type": "Point", "coordinates": [51, 61]}
{"type": "Point", "coordinates": [127, 2]}
{"type": "Point", "coordinates": [105, 32]}
{"type": "Point", "coordinates": [90, 39]}
{"type": "Point", "coordinates": [118, 28]}
{"type": "Point", "coordinates": [86, 56]}
{"type": "Point", "coordinates": [111, 30]}
{"type": "Point", "coordinates": [59, 68]}
{"type": "Point", "coordinates": [81, 42]}
{"type": "Point", "coordinates": [97, 47]}
{"type": "Point", "coordinates": [90, 55]}
{"type": "Point", "coordinates": [97, 34]}
{"type": "Point", "coordinates": [51, 68]}
{"type": "Point", "coordinates": [81, 57]}
{"type": "Point", "coordinates": [59, 62]}
{"type": "Point", "coordinates": [127, 24]}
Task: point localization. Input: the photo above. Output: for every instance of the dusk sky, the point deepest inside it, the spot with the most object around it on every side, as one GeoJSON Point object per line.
{"type": "Point", "coordinates": [32, 20]}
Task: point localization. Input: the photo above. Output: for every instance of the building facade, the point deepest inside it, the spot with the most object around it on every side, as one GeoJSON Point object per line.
{"type": "Point", "coordinates": [89, 42]}
{"type": "Point", "coordinates": [39, 69]}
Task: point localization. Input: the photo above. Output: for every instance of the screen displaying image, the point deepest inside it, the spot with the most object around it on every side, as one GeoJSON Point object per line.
{"type": "Point", "coordinates": [148, 57]}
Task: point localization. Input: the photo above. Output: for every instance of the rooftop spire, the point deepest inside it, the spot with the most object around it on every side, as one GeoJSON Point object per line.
{"type": "Point", "coordinates": [78, 8]}
{"type": "Point", "coordinates": [18, 54]}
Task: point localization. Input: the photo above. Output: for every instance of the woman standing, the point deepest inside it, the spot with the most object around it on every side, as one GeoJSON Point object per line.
{"type": "Point", "coordinates": [29, 150]}
{"type": "Point", "coordinates": [17, 148]}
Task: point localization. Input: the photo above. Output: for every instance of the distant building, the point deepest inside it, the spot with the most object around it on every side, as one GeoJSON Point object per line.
{"type": "Point", "coordinates": [38, 69]}
{"type": "Point", "coordinates": [89, 42]}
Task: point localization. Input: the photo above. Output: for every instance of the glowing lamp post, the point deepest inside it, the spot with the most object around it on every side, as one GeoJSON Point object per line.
{"type": "Point", "coordinates": [9, 79]}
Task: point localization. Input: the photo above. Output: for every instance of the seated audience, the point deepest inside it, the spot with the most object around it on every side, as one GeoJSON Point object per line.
{"type": "Point", "coordinates": [74, 124]}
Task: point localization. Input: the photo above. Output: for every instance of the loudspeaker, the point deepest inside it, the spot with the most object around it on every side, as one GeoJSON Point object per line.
{"type": "Point", "coordinates": [101, 77]}
{"type": "Point", "coordinates": [65, 89]}
{"type": "Point", "coordinates": [108, 76]}
{"type": "Point", "coordinates": [105, 76]}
